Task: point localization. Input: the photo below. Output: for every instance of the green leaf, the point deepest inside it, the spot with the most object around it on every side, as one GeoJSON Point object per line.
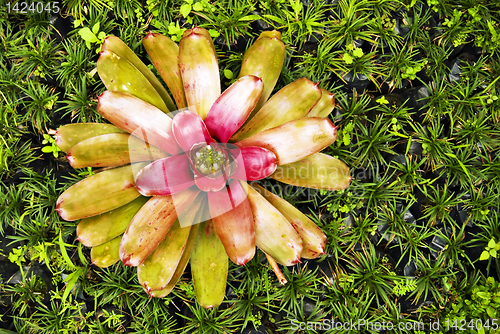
{"type": "Point", "coordinates": [228, 74]}
{"type": "Point", "coordinates": [491, 243]}
{"type": "Point", "coordinates": [347, 58]}
{"type": "Point", "coordinates": [249, 18]}
{"type": "Point", "coordinates": [95, 28]}
{"type": "Point", "coordinates": [64, 254]}
{"type": "Point", "coordinates": [71, 281]}
{"type": "Point", "coordinates": [297, 6]}
{"type": "Point", "coordinates": [87, 35]}
{"type": "Point", "coordinates": [214, 33]}
{"type": "Point", "coordinates": [358, 53]}
{"type": "Point", "coordinates": [493, 252]}
{"type": "Point", "coordinates": [383, 100]}
{"type": "Point", "coordinates": [101, 36]}
{"type": "Point", "coordinates": [185, 10]}
{"type": "Point", "coordinates": [483, 294]}
{"type": "Point", "coordinates": [198, 6]}
{"type": "Point", "coordinates": [491, 312]}
{"type": "Point", "coordinates": [47, 149]}
{"type": "Point", "coordinates": [484, 256]}
{"type": "Point", "coordinates": [274, 18]}
{"type": "Point", "coordinates": [491, 28]}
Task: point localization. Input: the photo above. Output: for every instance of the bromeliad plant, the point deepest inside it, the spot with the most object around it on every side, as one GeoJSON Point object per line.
{"type": "Point", "coordinates": [175, 190]}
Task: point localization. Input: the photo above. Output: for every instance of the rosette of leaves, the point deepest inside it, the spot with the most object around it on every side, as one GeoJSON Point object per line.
{"type": "Point", "coordinates": [177, 187]}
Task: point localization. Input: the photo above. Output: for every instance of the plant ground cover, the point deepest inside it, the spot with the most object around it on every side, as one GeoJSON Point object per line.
{"type": "Point", "coordinates": [415, 238]}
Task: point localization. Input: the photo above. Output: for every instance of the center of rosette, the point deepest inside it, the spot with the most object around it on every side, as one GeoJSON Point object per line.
{"type": "Point", "coordinates": [210, 159]}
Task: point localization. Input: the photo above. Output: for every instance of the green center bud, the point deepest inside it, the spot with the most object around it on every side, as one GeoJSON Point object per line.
{"type": "Point", "coordinates": [209, 160]}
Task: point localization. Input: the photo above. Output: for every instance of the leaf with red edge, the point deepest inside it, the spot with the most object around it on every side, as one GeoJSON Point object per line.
{"type": "Point", "coordinates": [273, 233]}
{"type": "Point", "coordinates": [165, 176]}
{"type": "Point", "coordinates": [139, 118]}
{"type": "Point", "coordinates": [232, 108]}
{"type": "Point", "coordinates": [199, 70]}
{"type": "Point", "coordinates": [295, 140]}
{"type": "Point", "coordinates": [319, 171]}
{"type": "Point", "coordinates": [258, 163]}
{"type": "Point", "coordinates": [189, 129]}
{"type": "Point", "coordinates": [233, 219]}
{"type": "Point", "coordinates": [150, 225]}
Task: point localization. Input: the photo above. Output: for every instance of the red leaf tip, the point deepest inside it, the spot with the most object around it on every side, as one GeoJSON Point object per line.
{"type": "Point", "coordinates": [126, 260]}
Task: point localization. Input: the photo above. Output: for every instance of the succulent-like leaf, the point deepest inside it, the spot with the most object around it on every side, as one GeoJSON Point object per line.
{"type": "Point", "coordinates": [234, 226]}
{"type": "Point", "coordinates": [117, 46]}
{"type": "Point", "coordinates": [295, 140]}
{"type": "Point", "coordinates": [111, 150]}
{"type": "Point", "coordinates": [324, 106]}
{"type": "Point", "coordinates": [209, 265]}
{"type": "Point", "coordinates": [69, 135]}
{"type": "Point", "coordinates": [95, 231]}
{"type": "Point", "coordinates": [206, 183]}
{"type": "Point", "coordinates": [140, 118]}
{"type": "Point", "coordinates": [258, 163]}
{"type": "Point", "coordinates": [164, 54]}
{"type": "Point", "coordinates": [232, 108]}
{"type": "Point", "coordinates": [319, 171]}
{"type": "Point", "coordinates": [165, 176]}
{"type": "Point", "coordinates": [118, 75]}
{"type": "Point", "coordinates": [273, 233]}
{"type": "Point", "coordinates": [106, 255]}
{"type": "Point", "coordinates": [264, 59]}
{"type": "Point", "coordinates": [150, 225]}
{"type": "Point", "coordinates": [189, 129]}
{"type": "Point", "coordinates": [313, 239]}
{"type": "Point", "coordinates": [183, 262]}
{"type": "Point", "coordinates": [99, 193]}
{"type": "Point", "coordinates": [157, 270]}
{"type": "Point", "coordinates": [199, 70]}
{"type": "Point", "coordinates": [294, 101]}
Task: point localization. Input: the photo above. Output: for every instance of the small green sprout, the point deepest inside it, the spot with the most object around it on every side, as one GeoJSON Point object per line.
{"type": "Point", "coordinates": [382, 100]}
{"type": "Point", "coordinates": [410, 72]}
{"type": "Point", "coordinates": [403, 287]}
{"type": "Point", "coordinates": [352, 53]}
{"type": "Point", "coordinates": [52, 148]}
{"type": "Point", "coordinates": [347, 58]}
{"type": "Point", "coordinates": [490, 250]}
{"type": "Point", "coordinates": [93, 36]}
{"type": "Point", "coordinates": [87, 172]}
{"type": "Point", "coordinates": [200, 6]}
{"type": "Point", "coordinates": [345, 134]}
{"type": "Point", "coordinates": [492, 99]}
{"type": "Point", "coordinates": [175, 31]}
{"type": "Point", "coordinates": [17, 255]}
{"type": "Point", "coordinates": [395, 124]}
